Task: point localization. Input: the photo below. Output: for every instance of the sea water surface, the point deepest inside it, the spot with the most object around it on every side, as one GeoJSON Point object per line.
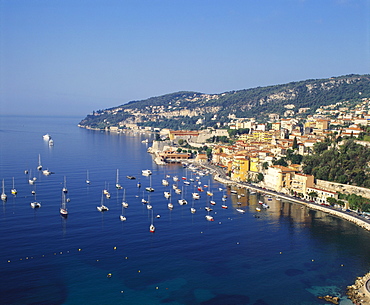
{"type": "Point", "coordinates": [284, 255]}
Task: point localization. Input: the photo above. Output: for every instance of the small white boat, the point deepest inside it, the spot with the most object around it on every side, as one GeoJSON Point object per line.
{"type": "Point", "coordinates": [224, 206]}
{"type": "Point", "coordinates": [212, 202]}
{"type": "Point", "coordinates": [35, 204]}
{"type": "Point", "coordinates": [265, 206]}
{"type": "Point", "coordinates": [118, 186]}
{"type": "Point", "coordinates": [39, 167]}
{"type": "Point", "coordinates": [240, 211]}
{"type": "Point", "coordinates": [46, 172]}
{"type": "Point", "coordinates": [102, 207]}
{"type": "Point", "coordinates": [175, 178]}
{"type": "Point", "coordinates": [4, 197]}
{"type": "Point", "coordinates": [149, 206]}
{"type": "Point", "coordinates": [208, 209]}
{"type": "Point", "coordinates": [170, 205]}
{"type": "Point", "coordinates": [131, 177]}
{"type": "Point", "coordinates": [65, 190]}
{"type": "Point", "coordinates": [167, 194]}
{"type": "Point", "coordinates": [146, 172]}
{"type": "Point", "coordinates": [165, 182]}
{"type": "Point", "coordinates": [63, 208]}
{"type": "Point", "coordinates": [152, 228]}
{"type": "Point", "coordinates": [13, 190]}
{"type": "Point", "coordinates": [193, 210]}
{"type": "Point", "coordinates": [186, 182]}
{"type": "Point", "coordinates": [87, 177]}
{"type": "Point", "coordinates": [124, 203]}
{"type": "Point", "coordinates": [258, 209]}
{"type": "Point", "coordinates": [46, 137]}
{"type": "Point", "coordinates": [209, 218]}
{"type": "Point", "coordinates": [182, 202]}
{"type": "Point", "coordinates": [122, 218]}
{"type": "Point", "coordinates": [51, 142]}
{"type": "Point", "coordinates": [149, 188]}
{"type": "Point", "coordinates": [196, 195]}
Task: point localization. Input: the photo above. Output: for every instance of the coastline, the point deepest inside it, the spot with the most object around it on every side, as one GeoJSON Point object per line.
{"type": "Point", "coordinates": [359, 292]}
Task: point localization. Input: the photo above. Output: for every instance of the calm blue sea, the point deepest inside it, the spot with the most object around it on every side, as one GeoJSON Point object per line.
{"type": "Point", "coordinates": [285, 255]}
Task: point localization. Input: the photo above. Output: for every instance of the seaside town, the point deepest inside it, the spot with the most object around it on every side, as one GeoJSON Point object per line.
{"type": "Point", "coordinates": [253, 156]}
{"type": "Point", "coordinates": [268, 157]}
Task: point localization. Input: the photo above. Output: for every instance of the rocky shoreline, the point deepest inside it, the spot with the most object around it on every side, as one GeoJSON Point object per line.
{"type": "Point", "coordinates": [358, 293]}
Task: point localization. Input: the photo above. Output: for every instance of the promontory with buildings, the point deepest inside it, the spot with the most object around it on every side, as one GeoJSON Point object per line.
{"type": "Point", "coordinates": [308, 140]}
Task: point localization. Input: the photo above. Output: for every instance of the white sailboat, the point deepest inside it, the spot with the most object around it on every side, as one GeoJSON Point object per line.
{"type": "Point", "coordinates": [65, 190]}
{"type": "Point", "coordinates": [149, 188]}
{"type": "Point", "coordinates": [193, 209]}
{"type": "Point", "coordinates": [167, 194]}
{"type": "Point", "coordinates": [87, 177]}
{"type": "Point", "coordinates": [63, 208]}
{"type": "Point", "coordinates": [39, 167]}
{"type": "Point", "coordinates": [13, 190]}
{"type": "Point", "coordinates": [46, 137]}
{"type": "Point", "coordinates": [152, 227]}
{"type": "Point", "coordinates": [182, 201]}
{"type": "Point", "coordinates": [118, 186]}
{"type": "Point", "coordinates": [35, 204]}
{"type": "Point", "coordinates": [122, 217]}
{"type": "Point", "coordinates": [4, 197]}
{"type": "Point", "coordinates": [143, 200]}
{"type": "Point", "coordinates": [31, 180]}
{"type": "Point", "coordinates": [102, 207]}
{"type": "Point", "coordinates": [165, 182]}
{"type": "Point", "coordinates": [124, 203]}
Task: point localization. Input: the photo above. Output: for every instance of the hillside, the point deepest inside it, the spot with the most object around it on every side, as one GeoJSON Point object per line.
{"type": "Point", "coordinates": [190, 110]}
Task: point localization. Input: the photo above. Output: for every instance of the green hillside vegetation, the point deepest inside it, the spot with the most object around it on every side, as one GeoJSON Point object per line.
{"type": "Point", "coordinates": [346, 164]}
{"type": "Point", "coordinates": [255, 102]}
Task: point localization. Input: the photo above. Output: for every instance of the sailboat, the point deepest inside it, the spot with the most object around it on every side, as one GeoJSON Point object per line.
{"type": "Point", "coordinates": [13, 190]}
{"type": "Point", "coordinates": [4, 197]}
{"type": "Point", "coordinates": [63, 208]}
{"type": "Point", "coordinates": [124, 203]}
{"type": "Point", "coordinates": [122, 217]}
{"type": "Point", "coordinates": [149, 188]}
{"type": "Point", "coordinates": [152, 227]}
{"type": "Point", "coordinates": [143, 200]}
{"type": "Point", "coordinates": [149, 206]}
{"type": "Point", "coordinates": [182, 201]}
{"type": "Point", "coordinates": [35, 204]}
{"type": "Point", "coordinates": [192, 209]}
{"type": "Point", "coordinates": [87, 177]}
{"type": "Point", "coordinates": [102, 207]}
{"type": "Point", "coordinates": [167, 194]}
{"type": "Point", "coordinates": [118, 186]}
{"type": "Point", "coordinates": [39, 167]}
{"type": "Point", "coordinates": [31, 180]}
{"type": "Point", "coordinates": [65, 190]}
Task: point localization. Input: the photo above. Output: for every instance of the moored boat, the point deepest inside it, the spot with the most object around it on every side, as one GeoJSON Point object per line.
{"type": "Point", "coordinates": [102, 207]}
{"type": "Point", "coordinates": [4, 197]}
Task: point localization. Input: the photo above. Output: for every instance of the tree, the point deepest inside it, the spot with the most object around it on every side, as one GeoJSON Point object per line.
{"type": "Point", "coordinates": [181, 142]}
{"type": "Point", "coordinates": [295, 143]}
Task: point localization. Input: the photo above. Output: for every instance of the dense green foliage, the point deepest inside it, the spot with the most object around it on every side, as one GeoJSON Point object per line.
{"type": "Point", "coordinates": [256, 102]}
{"type": "Point", "coordinates": [346, 164]}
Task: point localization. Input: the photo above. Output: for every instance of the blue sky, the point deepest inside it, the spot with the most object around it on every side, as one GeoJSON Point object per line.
{"type": "Point", "coordinates": [70, 57]}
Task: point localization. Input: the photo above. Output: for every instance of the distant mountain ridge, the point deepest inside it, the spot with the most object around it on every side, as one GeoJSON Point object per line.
{"type": "Point", "coordinates": [191, 110]}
